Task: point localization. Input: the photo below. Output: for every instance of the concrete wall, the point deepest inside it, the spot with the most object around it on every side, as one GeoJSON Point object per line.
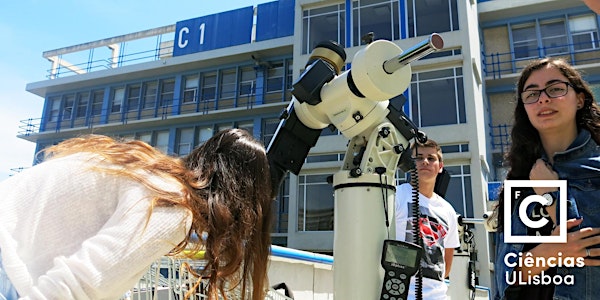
{"type": "Point", "coordinates": [307, 280]}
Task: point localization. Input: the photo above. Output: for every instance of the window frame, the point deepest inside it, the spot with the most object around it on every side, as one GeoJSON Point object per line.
{"type": "Point", "coordinates": [303, 205]}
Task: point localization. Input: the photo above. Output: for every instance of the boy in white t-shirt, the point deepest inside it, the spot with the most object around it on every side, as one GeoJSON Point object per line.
{"type": "Point", "coordinates": [438, 222]}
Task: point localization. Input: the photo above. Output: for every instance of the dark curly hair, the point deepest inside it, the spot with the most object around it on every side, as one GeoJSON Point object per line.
{"type": "Point", "coordinates": [526, 145]}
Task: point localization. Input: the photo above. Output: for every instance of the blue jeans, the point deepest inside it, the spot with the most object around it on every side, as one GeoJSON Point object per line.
{"type": "Point", "coordinates": [7, 289]}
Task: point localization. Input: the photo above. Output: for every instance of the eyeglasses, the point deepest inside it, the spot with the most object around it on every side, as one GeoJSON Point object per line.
{"type": "Point", "coordinates": [555, 90]}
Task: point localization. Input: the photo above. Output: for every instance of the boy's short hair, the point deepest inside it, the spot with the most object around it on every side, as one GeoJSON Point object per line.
{"type": "Point", "coordinates": [429, 144]}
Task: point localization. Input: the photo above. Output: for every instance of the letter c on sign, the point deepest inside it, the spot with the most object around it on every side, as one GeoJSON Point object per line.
{"type": "Point", "coordinates": [523, 212]}
{"type": "Point", "coordinates": [181, 42]}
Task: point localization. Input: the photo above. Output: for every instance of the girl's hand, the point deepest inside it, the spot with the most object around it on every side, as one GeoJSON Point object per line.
{"type": "Point", "coordinates": [576, 246]}
{"type": "Point", "coordinates": [542, 170]}
{"type": "Point", "coordinates": [578, 243]}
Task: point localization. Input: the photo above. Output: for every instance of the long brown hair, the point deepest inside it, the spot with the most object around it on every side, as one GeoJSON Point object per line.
{"type": "Point", "coordinates": [526, 145]}
{"type": "Point", "coordinates": [224, 183]}
{"type": "Point", "coordinates": [234, 193]}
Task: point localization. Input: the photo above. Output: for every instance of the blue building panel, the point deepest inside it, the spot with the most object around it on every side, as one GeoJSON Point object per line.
{"type": "Point", "coordinates": [275, 19]}
{"type": "Point", "coordinates": [494, 190]}
{"type": "Point", "coordinates": [215, 31]}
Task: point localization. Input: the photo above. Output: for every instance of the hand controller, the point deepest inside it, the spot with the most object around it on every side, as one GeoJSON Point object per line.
{"type": "Point", "coordinates": [400, 260]}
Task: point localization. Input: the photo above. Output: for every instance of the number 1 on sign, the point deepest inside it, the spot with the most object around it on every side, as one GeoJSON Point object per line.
{"type": "Point", "coordinates": [202, 33]}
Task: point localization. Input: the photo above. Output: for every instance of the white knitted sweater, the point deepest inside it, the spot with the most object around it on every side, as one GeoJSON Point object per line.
{"type": "Point", "coordinates": [70, 232]}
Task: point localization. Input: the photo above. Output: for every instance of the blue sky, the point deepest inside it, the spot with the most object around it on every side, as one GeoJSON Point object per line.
{"type": "Point", "coordinates": [30, 27]}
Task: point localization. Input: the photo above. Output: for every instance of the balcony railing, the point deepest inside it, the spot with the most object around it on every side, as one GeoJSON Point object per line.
{"type": "Point", "coordinates": [63, 68]}
{"type": "Point", "coordinates": [170, 277]}
{"type": "Point", "coordinates": [68, 120]}
{"type": "Point", "coordinates": [496, 65]}
{"type": "Point", "coordinates": [500, 136]}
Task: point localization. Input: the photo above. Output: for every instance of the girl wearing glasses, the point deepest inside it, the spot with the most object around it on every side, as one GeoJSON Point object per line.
{"type": "Point", "coordinates": [88, 222]}
{"type": "Point", "coordinates": [555, 135]}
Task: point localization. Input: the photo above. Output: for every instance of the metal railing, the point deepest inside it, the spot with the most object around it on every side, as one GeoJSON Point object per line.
{"type": "Point", "coordinates": [168, 110]}
{"type": "Point", "coordinates": [169, 278]}
{"type": "Point", "coordinates": [107, 63]}
{"type": "Point", "coordinates": [499, 64]}
{"type": "Point", "coordinates": [500, 136]}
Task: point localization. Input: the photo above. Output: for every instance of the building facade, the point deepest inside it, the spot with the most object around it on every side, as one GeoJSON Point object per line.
{"type": "Point", "coordinates": [175, 86]}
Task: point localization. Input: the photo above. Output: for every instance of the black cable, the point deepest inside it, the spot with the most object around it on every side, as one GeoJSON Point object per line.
{"type": "Point", "coordinates": [381, 171]}
{"type": "Point", "coordinates": [417, 238]}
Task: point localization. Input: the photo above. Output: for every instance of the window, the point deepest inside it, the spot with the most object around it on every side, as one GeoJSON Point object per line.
{"type": "Point", "coordinates": [133, 98]}
{"type": "Point", "coordinates": [68, 108]}
{"type": "Point", "coordinates": [82, 104]}
{"type": "Point", "coordinates": [223, 126]}
{"type": "Point", "coordinates": [145, 137]}
{"type": "Point", "coordinates": [228, 82]}
{"type": "Point", "coordinates": [269, 127]}
{"type": "Point", "coordinates": [227, 90]}
{"type": "Point", "coordinates": [316, 158]}
{"type": "Point", "coordinates": [459, 192]}
{"type": "Point", "coordinates": [248, 126]}
{"type": "Point", "coordinates": [402, 177]}
{"type": "Point", "coordinates": [186, 141]}
{"type": "Point", "coordinates": [289, 75]}
{"type": "Point", "coordinates": [457, 148]}
{"type": "Point", "coordinates": [167, 91]}
{"type": "Point", "coordinates": [162, 141]}
{"type": "Point", "coordinates": [117, 100]}
{"type": "Point", "coordinates": [204, 133]}
{"type": "Point", "coordinates": [427, 16]}
{"type": "Point", "coordinates": [323, 24]}
{"type": "Point", "coordinates": [248, 82]}
{"type": "Point", "coordinates": [275, 76]}
{"type": "Point", "coordinates": [437, 98]}
{"type": "Point", "coordinates": [97, 100]}
{"type": "Point", "coordinates": [278, 81]}
{"type": "Point", "coordinates": [315, 203]}
{"type": "Point", "coordinates": [150, 90]}
{"type": "Point", "coordinates": [377, 16]}
{"type": "Point", "coordinates": [209, 87]}
{"type": "Point", "coordinates": [55, 110]}
{"type": "Point", "coordinates": [525, 41]}
{"type": "Point", "coordinates": [281, 207]}
{"type": "Point", "coordinates": [191, 88]}
{"type": "Point", "coordinates": [554, 37]}
{"type": "Point", "coordinates": [584, 32]}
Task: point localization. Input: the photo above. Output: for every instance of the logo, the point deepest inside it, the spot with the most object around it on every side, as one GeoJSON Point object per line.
{"type": "Point", "coordinates": [512, 191]}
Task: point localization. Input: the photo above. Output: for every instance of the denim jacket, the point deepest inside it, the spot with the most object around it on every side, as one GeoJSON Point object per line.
{"type": "Point", "coordinates": [580, 166]}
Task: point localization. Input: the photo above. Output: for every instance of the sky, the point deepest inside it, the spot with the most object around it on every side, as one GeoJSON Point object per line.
{"type": "Point", "coordinates": [30, 27]}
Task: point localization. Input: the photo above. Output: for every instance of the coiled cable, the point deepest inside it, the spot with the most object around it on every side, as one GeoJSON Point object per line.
{"type": "Point", "coordinates": [416, 226]}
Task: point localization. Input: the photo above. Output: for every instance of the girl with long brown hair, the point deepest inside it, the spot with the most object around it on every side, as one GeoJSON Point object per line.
{"type": "Point", "coordinates": [555, 136]}
{"type": "Point", "coordinates": [88, 221]}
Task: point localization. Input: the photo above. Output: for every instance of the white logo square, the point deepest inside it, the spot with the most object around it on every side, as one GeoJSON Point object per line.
{"type": "Point", "coordinates": [562, 214]}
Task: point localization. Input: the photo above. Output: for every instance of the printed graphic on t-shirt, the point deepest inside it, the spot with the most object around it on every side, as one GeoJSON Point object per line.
{"type": "Point", "coordinates": [433, 230]}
